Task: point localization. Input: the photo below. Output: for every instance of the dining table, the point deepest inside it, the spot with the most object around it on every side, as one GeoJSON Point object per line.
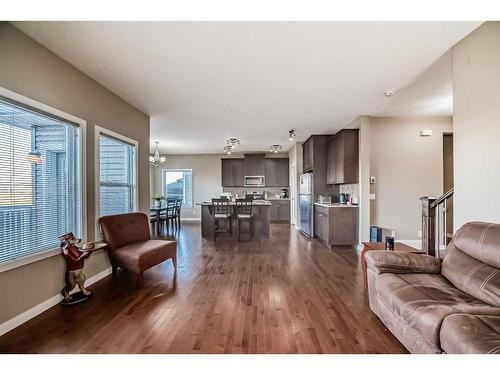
{"type": "Point", "coordinates": [155, 211]}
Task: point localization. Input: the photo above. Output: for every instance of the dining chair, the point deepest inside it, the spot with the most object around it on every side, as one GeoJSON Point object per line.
{"type": "Point", "coordinates": [178, 207]}
{"type": "Point", "coordinates": [169, 216]}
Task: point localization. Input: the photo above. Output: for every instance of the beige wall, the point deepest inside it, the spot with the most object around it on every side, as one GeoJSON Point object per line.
{"type": "Point", "coordinates": [206, 178]}
{"type": "Point", "coordinates": [29, 69]}
{"type": "Point", "coordinates": [476, 125]}
{"type": "Point", "coordinates": [407, 167]}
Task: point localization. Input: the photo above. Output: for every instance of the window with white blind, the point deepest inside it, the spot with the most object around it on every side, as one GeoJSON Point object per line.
{"type": "Point", "coordinates": [40, 195]}
{"type": "Point", "coordinates": [178, 184]}
{"type": "Point", "coordinates": [117, 173]}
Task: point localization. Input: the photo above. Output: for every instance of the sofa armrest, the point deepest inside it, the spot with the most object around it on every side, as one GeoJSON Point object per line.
{"type": "Point", "coordinates": [383, 261]}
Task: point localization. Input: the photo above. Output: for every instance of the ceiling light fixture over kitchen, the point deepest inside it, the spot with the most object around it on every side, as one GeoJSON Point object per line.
{"type": "Point", "coordinates": [233, 142]}
{"type": "Point", "coordinates": [156, 160]}
{"type": "Point", "coordinates": [275, 148]}
{"type": "Point", "coordinates": [291, 135]}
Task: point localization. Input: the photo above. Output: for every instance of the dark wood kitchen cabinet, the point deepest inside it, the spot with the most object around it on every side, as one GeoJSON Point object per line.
{"type": "Point", "coordinates": [280, 210]}
{"type": "Point", "coordinates": [314, 158]}
{"type": "Point", "coordinates": [307, 155]}
{"type": "Point", "coordinates": [254, 165]}
{"type": "Point", "coordinates": [277, 172]}
{"type": "Point", "coordinates": [336, 225]}
{"type": "Point", "coordinates": [343, 158]}
{"type": "Point", "coordinates": [233, 172]}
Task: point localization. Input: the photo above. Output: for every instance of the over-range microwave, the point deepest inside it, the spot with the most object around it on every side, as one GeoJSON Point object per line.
{"type": "Point", "coordinates": [254, 181]}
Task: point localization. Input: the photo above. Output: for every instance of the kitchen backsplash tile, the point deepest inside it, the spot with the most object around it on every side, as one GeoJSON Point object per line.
{"type": "Point", "coordinates": [351, 189]}
{"type": "Point", "coordinates": [271, 191]}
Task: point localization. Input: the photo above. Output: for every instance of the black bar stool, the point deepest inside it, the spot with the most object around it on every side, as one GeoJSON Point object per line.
{"type": "Point", "coordinates": [221, 210]}
{"type": "Point", "coordinates": [243, 212]}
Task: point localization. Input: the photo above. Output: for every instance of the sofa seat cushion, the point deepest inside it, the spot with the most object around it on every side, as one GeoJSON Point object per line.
{"type": "Point", "coordinates": [470, 334]}
{"type": "Point", "coordinates": [142, 255]}
{"type": "Point", "coordinates": [424, 300]}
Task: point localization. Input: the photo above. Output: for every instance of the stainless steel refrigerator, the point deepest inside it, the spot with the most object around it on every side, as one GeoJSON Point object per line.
{"type": "Point", "coordinates": [306, 204]}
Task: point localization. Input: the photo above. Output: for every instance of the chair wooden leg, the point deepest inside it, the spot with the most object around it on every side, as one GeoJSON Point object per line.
{"type": "Point", "coordinates": [174, 261]}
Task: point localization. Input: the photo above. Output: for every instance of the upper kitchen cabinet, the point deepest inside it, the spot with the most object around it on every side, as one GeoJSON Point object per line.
{"type": "Point", "coordinates": [233, 172]}
{"type": "Point", "coordinates": [307, 155]}
{"type": "Point", "coordinates": [314, 153]}
{"type": "Point", "coordinates": [254, 165]}
{"type": "Point", "coordinates": [343, 158]}
{"type": "Point", "coordinates": [277, 172]}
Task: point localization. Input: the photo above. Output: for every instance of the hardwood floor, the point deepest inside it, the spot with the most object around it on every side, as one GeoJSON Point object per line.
{"type": "Point", "coordinates": [285, 294]}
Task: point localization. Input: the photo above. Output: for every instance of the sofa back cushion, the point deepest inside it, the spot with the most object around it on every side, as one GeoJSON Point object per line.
{"type": "Point", "coordinates": [124, 229]}
{"type": "Point", "coordinates": [472, 262]}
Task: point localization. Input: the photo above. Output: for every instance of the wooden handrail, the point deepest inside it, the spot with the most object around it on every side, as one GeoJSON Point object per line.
{"type": "Point", "coordinates": [429, 217]}
{"type": "Point", "coordinates": [442, 198]}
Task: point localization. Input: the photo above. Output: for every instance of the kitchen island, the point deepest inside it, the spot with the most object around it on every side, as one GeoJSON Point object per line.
{"type": "Point", "coordinates": [261, 220]}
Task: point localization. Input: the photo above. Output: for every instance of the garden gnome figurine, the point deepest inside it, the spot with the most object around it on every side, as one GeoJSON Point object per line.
{"type": "Point", "coordinates": [74, 258]}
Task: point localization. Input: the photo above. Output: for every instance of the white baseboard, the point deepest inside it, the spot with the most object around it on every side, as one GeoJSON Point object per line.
{"type": "Point", "coordinates": [40, 308]}
{"type": "Point", "coordinates": [191, 219]}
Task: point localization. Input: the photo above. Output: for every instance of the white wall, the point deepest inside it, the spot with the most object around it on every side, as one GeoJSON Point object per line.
{"type": "Point", "coordinates": [476, 126]}
{"type": "Point", "coordinates": [407, 167]}
{"type": "Point", "coordinates": [206, 178]}
{"type": "Point", "coordinates": [364, 178]}
{"type": "Point", "coordinates": [295, 156]}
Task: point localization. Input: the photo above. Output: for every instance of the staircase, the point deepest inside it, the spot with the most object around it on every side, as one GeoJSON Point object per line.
{"type": "Point", "coordinates": [434, 223]}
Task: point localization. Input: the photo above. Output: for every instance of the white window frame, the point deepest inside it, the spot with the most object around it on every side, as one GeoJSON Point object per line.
{"type": "Point", "coordinates": [135, 204]}
{"type": "Point", "coordinates": [163, 189]}
{"type": "Point", "coordinates": [82, 125]}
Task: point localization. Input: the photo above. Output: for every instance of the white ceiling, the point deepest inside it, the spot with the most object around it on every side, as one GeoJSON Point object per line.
{"type": "Point", "coordinates": [204, 82]}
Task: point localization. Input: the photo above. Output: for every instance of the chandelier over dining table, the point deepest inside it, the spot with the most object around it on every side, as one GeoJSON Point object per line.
{"type": "Point", "coordinates": [156, 160]}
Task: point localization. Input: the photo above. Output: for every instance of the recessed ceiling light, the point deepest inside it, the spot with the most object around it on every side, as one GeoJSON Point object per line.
{"type": "Point", "coordinates": [389, 93]}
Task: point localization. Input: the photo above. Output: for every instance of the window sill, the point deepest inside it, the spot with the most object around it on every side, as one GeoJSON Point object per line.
{"type": "Point", "coordinates": [19, 262]}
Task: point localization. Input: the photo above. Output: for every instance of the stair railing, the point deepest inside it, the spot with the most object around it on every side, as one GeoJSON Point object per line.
{"type": "Point", "coordinates": [434, 223]}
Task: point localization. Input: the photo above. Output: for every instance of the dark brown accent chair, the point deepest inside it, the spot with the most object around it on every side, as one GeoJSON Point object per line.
{"type": "Point", "coordinates": [130, 245]}
{"type": "Point", "coordinates": [448, 307]}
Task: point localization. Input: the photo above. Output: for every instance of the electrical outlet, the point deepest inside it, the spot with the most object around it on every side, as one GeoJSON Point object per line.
{"type": "Point", "coordinates": [419, 234]}
{"type": "Point", "coordinates": [373, 180]}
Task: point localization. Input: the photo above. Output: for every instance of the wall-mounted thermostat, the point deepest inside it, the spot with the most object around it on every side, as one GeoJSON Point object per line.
{"type": "Point", "coordinates": [425, 133]}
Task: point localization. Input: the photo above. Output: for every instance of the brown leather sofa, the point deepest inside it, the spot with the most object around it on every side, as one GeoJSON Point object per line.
{"type": "Point", "coordinates": [130, 245]}
{"type": "Point", "coordinates": [448, 307]}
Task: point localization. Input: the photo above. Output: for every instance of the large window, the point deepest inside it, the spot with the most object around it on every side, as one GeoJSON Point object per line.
{"type": "Point", "coordinates": [117, 170]}
{"type": "Point", "coordinates": [178, 184]}
{"type": "Point", "coordinates": [39, 180]}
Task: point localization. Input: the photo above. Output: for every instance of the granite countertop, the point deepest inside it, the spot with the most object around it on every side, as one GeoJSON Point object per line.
{"type": "Point", "coordinates": [254, 203]}
{"type": "Point", "coordinates": [278, 199]}
{"type": "Point", "coordinates": [336, 205]}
